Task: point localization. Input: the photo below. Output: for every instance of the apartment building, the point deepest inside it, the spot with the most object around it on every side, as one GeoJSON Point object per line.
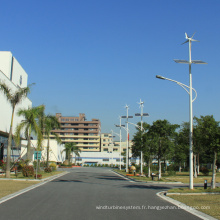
{"type": "Point", "coordinates": [86, 134]}
{"type": "Point", "coordinates": [109, 145]}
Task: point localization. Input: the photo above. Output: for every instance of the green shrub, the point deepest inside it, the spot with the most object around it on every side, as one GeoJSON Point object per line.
{"type": "Point", "coordinates": [28, 171]}
{"type": "Point", "coordinates": [48, 170]}
{"type": "Point", "coordinates": [53, 166]}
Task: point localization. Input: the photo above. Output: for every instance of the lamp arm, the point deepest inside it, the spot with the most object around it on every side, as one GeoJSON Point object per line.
{"type": "Point", "coordinates": [183, 86]}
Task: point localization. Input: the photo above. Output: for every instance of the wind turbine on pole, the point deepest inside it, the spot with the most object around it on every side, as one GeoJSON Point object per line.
{"type": "Point", "coordinates": [190, 39]}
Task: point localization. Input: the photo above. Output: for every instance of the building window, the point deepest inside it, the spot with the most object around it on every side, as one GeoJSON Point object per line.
{"type": "Point", "coordinates": [105, 159]}
{"type": "Point", "coordinates": [105, 149]}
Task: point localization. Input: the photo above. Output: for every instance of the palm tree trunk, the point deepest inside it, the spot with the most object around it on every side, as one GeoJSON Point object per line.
{"type": "Point", "coordinates": [214, 171]}
{"type": "Point", "coordinates": [8, 160]}
{"type": "Point", "coordinates": [48, 150]}
{"type": "Point", "coordinates": [29, 146]}
{"type": "Point", "coordinates": [29, 150]}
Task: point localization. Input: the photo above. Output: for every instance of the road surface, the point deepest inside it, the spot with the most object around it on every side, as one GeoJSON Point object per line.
{"type": "Point", "coordinates": [92, 193]}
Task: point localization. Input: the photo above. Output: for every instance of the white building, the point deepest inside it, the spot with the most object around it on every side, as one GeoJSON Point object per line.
{"type": "Point", "coordinates": [14, 76]}
{"type": "Point", "coordinates": [56, 152]}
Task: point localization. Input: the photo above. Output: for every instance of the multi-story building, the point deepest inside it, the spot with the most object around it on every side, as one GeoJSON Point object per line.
{"type": "Point", "coordinates": [86, 134]}
{"type": "Point", "coordinates": [14, 76]}
{"type": "Point", "coordinates": [109, 145]}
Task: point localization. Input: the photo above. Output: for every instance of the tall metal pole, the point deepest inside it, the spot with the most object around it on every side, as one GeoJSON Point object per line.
{"type": "Point", "coordinates": [127, 142]}
{"type": "Point", "coordinates": [191, 122]}
{"type": "Point", "coordinates": [141, 103]}
{"type": "Point", "coordinates": [188, 39]}
{"type": "Point", "coordinates": [120, 146]}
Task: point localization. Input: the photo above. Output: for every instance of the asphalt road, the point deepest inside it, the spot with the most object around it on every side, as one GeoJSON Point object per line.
{"type": "Point", "coordinates": [92, 193]}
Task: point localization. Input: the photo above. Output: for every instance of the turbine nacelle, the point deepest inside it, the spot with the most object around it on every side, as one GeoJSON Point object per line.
{"type": "Point", "coordinates": [189, 39]}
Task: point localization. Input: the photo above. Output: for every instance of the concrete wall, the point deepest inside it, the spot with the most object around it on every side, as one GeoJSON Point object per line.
{"type": "Point", "coordinates": [5, 106]}
{"type": "Point", "coordinates": [56, 151]}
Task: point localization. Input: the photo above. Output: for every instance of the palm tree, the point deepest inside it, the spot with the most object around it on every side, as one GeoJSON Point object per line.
{"type": "Point", "coordinates": [29, 124]}
{"type": "Point", "coordinates": [14, 99]}
{"type": "Point", "coordinates": [71, 147]}
{"type": "Point", "coordinates": [49, 123]}
{"type": "Point", "coordinates": [76, 150]}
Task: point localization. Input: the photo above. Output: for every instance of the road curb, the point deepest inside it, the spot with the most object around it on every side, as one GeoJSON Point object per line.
{"type": "Point", "coordinates": [42, 182]}
{"type": "Point", "coordinates": [185, 207]}
{"type": "Point", "coordinates": [194, 194]}
{"type": "Point", "coordinates": [151, 182]}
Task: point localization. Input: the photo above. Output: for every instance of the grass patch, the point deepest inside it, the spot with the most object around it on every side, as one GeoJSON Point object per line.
{"type": "Point", "coordinates": [11, 186]}
{"type": "Point", "coordinates": [178, 177]}
{"type": "Point", "coordinates": [208, 204]}
{"type": "Point", "coordinates": [44, 175]}
{"type": "Point", "coordinates": [141, 178]}
{"type": "Point", "coordinates": [195, 190]}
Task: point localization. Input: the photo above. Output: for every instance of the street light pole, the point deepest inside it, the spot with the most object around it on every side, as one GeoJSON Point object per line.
{"type": "Point", "coordinates": [188, 39]}
{"type": "Point", "coordinates": [112, 145]}
{"type": "Point", "coordinates": [120, 141]}
{"type": "Point", "coordinates": [127, 137]}
{"type": "Point", "coordinates": [141, 115]}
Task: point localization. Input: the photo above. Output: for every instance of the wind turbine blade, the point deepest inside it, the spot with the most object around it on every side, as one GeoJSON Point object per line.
{"type": "Point", "coordinates": [186, 35]}
{"type": "Point", "coordinates": [193, 34]}
{"type": "Point", "coordinates": [185, 42]}
{"type": "Point", "coordinates": [194, 40]}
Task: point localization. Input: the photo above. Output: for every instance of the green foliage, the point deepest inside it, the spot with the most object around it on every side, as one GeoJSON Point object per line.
{"type": "Point", "coordinates": [21, 163]}
{"type": "Point", "coordinates": [28, 171]}
{"type": "Point", "coordinates": [29, 125]}
{"type": "Point", "coordinates": [48, 170]}
{"type": "Point", "coordinates": [14, 98]}
{"type": "Point", "coordinates": [53, 166]}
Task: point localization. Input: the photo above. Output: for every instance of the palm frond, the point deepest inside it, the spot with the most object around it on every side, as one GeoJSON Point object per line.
{"type": "Point", "coordinates": [6, 90]}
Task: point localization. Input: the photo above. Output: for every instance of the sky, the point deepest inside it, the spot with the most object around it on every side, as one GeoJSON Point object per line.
{"type": "Point", "coordinates": [96, 56]}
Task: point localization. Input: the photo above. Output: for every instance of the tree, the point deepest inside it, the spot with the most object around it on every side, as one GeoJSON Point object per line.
{"type": "Point", "coordinates": [181, 145]}
{"type": "Point", "coordinates": [210, 136]}
{"type": "Point", "coordinates": [14, 99]}
{"type": "Point", "coordinates": [161, 135]}
{"type": "Point", "coordinates": [141, 142]}
{"type": "Point", "coordinates": [76, 150]}
{"type": "Point", "coordinates": [29, 125]}
{"type": "Point", "coordinates": [49, 123]}
{"type": "Point", "coordinates": [69, 148]}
